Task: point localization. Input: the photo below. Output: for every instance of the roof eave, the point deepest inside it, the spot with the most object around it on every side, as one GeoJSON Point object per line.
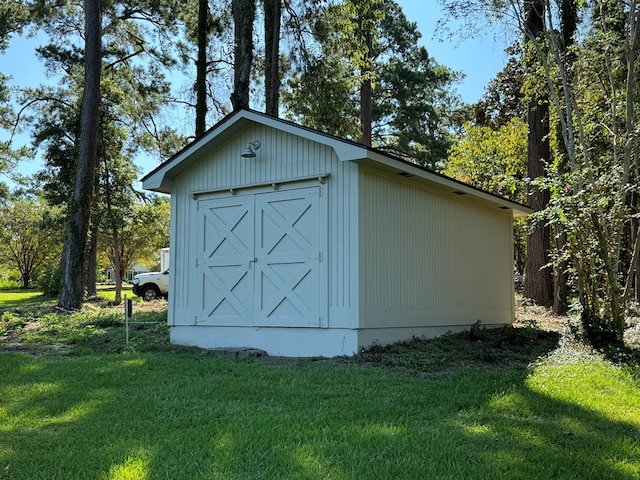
{"type": "Point", "coordinates": [445, 184]}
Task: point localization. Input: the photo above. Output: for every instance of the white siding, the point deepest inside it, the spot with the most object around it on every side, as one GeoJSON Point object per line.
{"type": "Point", "coordinates": [430, 261]}
{"type": "Point", "coordinates": [282, 157]}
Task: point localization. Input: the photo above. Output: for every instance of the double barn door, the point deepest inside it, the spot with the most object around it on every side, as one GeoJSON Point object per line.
{"type": "Point", "coordinates": [259, 260]}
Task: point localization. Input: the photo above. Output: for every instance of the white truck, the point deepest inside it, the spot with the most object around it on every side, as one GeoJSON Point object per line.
{"type": "Point", "coordinates": [153, 285]}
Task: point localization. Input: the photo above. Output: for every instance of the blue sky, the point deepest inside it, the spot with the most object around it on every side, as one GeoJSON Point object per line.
{"type": "Point", "coordinates": [479, 59]}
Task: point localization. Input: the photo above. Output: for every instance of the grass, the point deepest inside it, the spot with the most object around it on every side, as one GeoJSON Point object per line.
{"type": "Point", "coordinates": [518, 403]}
{"type": "Point", "coordinates": [17, 297]}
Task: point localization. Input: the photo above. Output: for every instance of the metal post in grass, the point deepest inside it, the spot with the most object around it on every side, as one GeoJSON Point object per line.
{"type": "Point", "coordinates": [128, 311]}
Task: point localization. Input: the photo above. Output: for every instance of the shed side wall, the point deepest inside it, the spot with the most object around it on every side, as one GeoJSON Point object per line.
{"type": "Point", "coordinates": [429, 261]}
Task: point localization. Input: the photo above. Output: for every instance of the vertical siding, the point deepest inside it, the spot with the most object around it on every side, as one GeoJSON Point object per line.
{"type": "Point", "coordinates": [281, 157]}
{"type": "Point", "coordinates": [425, 252]}
{"type": "Point", "coordinates": [342, 234]}
{"type": "Point", "coordinates": [181, 236]}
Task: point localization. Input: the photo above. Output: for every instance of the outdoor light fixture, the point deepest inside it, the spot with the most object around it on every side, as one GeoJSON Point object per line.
{"type": "Point", "coordinates": [250, 151]}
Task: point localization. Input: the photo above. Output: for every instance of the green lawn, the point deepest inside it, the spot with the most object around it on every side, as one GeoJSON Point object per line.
{"type": "Point", "coordinates": [18, 297]}
{"type": "Point", "coordinates": [441, 409]}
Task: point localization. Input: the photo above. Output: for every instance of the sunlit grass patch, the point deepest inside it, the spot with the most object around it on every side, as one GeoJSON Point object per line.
{"type": "Point", "coordinates": [20, 297]}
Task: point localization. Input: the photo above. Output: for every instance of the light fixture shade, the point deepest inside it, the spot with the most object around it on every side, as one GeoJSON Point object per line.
{"type": "Point", "coordinates": [250, 151]}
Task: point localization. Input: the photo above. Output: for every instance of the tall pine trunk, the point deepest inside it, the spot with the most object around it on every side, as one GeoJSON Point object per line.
{"type": "Point", "coordinates": [539, 284]}
{"type": "Point", "coordinates": [244, 12]}
{"type": "Point", "coordinates": [73, 255]}
{"type": "Point", "coordinates": [366, 94]}
{"type": "Point", "coordinates": [272, 15]}
{"type": "Point", "coordinates": [201, 67]}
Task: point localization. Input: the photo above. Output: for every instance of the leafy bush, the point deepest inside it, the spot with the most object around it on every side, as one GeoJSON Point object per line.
{"type": "Point", "coordinates": [50, 281]}
{"type": "Point", "coordinates": [9, 284]}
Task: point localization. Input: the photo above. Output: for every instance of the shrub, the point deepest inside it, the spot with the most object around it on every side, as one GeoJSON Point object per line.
{"type": "Point", "coordinates": [9, 284]}
{"type": "Point", "coordinates": [50, 281]}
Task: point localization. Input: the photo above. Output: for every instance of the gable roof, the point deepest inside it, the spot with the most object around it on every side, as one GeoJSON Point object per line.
{"type": "Point", "coordinates": [161, 178]}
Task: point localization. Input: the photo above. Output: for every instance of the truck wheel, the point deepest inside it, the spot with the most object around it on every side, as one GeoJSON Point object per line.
{"type": "Point", "coordinates": [150, 293]}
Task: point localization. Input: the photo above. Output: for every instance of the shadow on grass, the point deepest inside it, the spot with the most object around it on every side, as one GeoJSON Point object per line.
{"type": "Point", "coordinates": [194, 416]}
{"type": "Point", "coordinates": [501, 348]}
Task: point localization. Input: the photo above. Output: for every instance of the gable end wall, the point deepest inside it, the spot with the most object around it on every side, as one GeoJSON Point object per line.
{"type": "Point", "coordinates": [282, 157]}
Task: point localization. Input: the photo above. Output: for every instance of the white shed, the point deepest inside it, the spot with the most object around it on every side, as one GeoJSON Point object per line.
{"type": "Point", "coordinates": [319, 246]}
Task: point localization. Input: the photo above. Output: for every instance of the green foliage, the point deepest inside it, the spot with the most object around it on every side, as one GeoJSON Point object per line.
{"type": "Point", "coordinates": [506, 347]}
{"type": "Point", "coordinates": [503, 98]}
{"type": "Point", "coordinates": [8, 284]}
{"type": "Point", "coordinates": [13, 17]}
{"type": "Point", "coordinates": [50, 280]}
{"type": "Point", "coordinates": [594, 182]}
{"type": "Point", "coordinates": [492, 159]}
{"type": "Point", "coordinates": [413, 106]}
{"type": "Point", "coordinates": [148, 230]}
{"type": "Point", "coordinates": [30, 237]}
{"type": "Point", "coordinates": [588, 71]}
{"type": "Point", "coordinates": [96, 329]}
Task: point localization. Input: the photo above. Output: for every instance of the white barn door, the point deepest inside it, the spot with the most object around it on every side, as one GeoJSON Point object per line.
{"type": "Point", "coordinates": [260, 260]}
{"type": "Point", "coordinates": [223, 285]}
{"type": "Point", "coordinates": [288, 258]}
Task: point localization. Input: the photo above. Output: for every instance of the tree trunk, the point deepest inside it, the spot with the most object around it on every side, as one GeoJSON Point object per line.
{"type": "Point", "coordinates": [538, 284]}
{"type": "Point", "coordinates": [366, 96]}
{"type": "Point", "coordinates": [272, 14]}
{"type": "Point", "coordinates": [92, 263]}
{"type": "Point", "coordinates": [244, 12]}
{"type": "Point", "coordinates": [117, 264]}
{"type": "Point", "coordinates": [80, 206]}
{"type": "Point", "coordinates": [560, 277]}
{"type": "Point", "coordinates": [568, 26]}
{"type": "Point", "coordinates": [201, 67]}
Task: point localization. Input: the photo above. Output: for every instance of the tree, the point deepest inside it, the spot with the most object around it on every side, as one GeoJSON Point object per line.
{"type": "Point", "coordinates": [132, 92]}
{"type": "Point", "coordinates": [29, 237]}
{"type": "Point", "coordinates": [568, 10]}
{"type": "Point", "coordinates": [538, 284]}
{"type": "Point", "coordinates": [201, 31]}
{"type": "Point", "coordinates": [595, 198]}
{"type": "Point", "coordinates": [13, 17]}
{"type": "Point", "coordinates": [142, 233]}
{"type": "Point", "coordinates": [73, 256]}
{"type": "Point", "coordinates": [114, 186]}
{"type": "Point", "coordinates": [412, 107]}
{"type": "Point", "coordinates": [503, 98]}
{"type": "Point", "coordinates": [272, 18]}
{"type": "Point", "coordinates": [244, 12]}
{"type": "Point", "coordinates": [201, 67]}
